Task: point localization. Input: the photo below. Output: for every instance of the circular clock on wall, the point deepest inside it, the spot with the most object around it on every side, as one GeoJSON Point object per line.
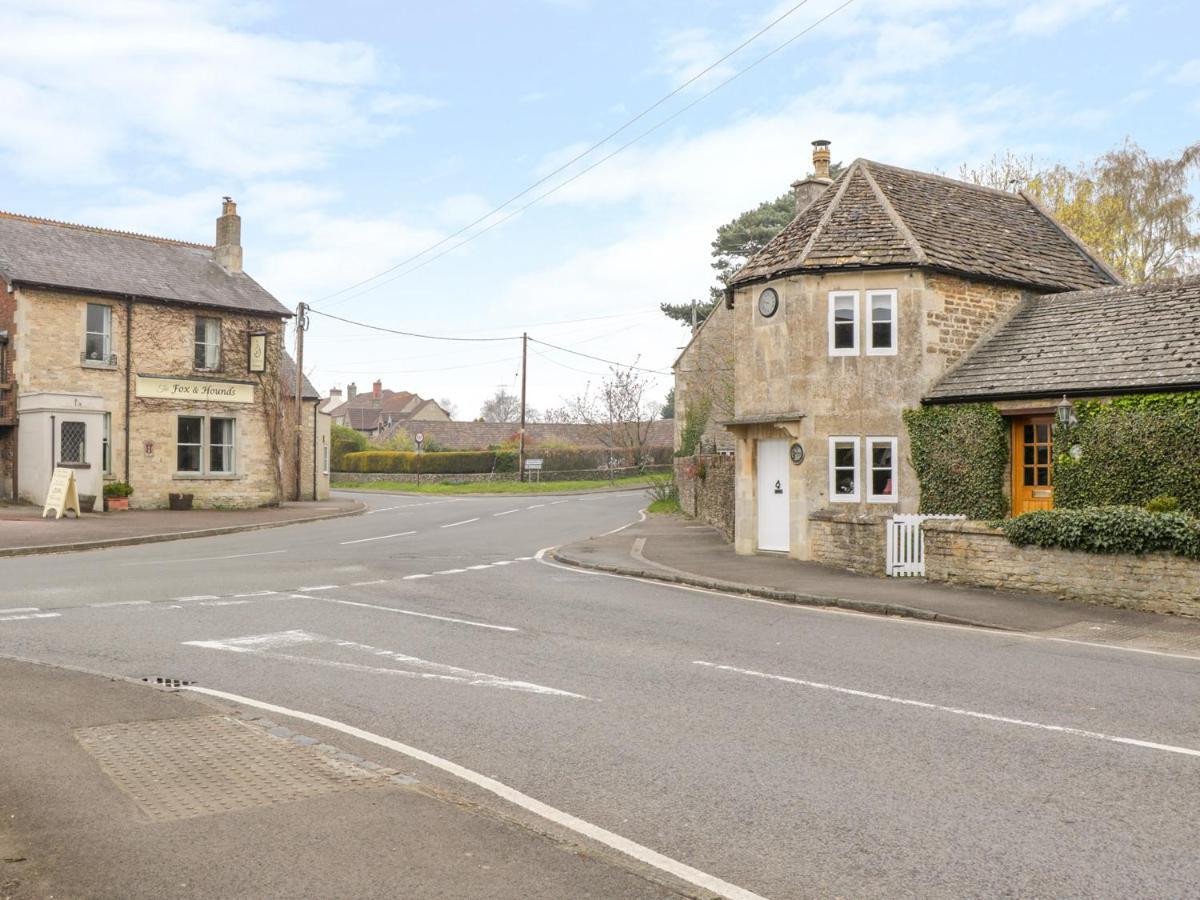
{"type": "Point", "coordinates": [768, 303]}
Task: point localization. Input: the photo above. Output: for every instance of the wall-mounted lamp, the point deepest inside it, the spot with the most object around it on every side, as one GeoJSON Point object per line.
{"type": "Point", "coordinates": [1065, 413]}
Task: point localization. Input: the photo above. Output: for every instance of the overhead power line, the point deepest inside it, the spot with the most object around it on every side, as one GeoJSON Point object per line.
{"type": "Point", "coordinates": [562, 168]}
{"type": "Point", "coordinates": [611, 362]}
{"type": "Point", "coordinates": [413, 334]}
{"type": "Point", "coordinates": [621, 149]}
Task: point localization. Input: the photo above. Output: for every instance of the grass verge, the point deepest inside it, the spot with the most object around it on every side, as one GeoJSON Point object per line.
{"type": "Point", "coordinates": [664, 506]}
{"type": "Point", "coordinates": [492, 487]}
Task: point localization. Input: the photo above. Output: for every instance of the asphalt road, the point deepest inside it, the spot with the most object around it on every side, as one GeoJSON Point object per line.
{"type": "Point", "coordinates": [787, 751]}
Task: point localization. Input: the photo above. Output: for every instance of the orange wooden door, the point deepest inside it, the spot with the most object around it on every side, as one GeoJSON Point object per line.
{"type": "Point", "coordinates": [1033, 463]}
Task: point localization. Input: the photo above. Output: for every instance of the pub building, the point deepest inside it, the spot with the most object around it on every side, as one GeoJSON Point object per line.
{"type": "Point", "coordinates": [157, 362]}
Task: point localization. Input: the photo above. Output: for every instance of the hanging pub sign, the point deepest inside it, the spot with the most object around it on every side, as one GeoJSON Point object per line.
{"type": "Point", "coordinates": [258, 352]}
{"type": "Point", "coordinates": [797, 453]}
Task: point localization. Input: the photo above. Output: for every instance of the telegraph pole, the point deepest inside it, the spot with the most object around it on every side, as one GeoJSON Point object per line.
{"type": "Point", "coordinates": [301, 325]}
{"type": "Point", "coordinates": [524, 367]}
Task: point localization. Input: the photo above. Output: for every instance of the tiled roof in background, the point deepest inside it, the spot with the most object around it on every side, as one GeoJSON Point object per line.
{"type": "Point", "coordinates": [58, 254]}
{"type": "Point", "coordinates": [876, 215]}
{"type": "Point", "coordinates": [1145, 337]}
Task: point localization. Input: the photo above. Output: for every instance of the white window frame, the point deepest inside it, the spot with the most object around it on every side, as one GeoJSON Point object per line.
{"type": "Point", "coordinates": [869, 466]}
{"type": "Point", "coordinates": [205, 445]}
{"type": "Point", "coordinates": [869, 322]}
{"type": "Point", "coordinates": [834, 496]}
{"type": "Point", "coordinates": [834, 296]}
{"type": "Point", "coordinates": [232, 445]}
{"type": "Point", "coordinates": [106, 445]}
{"type": "Point", "coordinates": [206, 344]}
{"type": "Point", "coordinates": [105, 334]}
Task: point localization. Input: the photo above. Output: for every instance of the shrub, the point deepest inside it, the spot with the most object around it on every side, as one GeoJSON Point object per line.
{"type": "Point", "coordinates": [343, 440]}
{"type": "Point", "coordinates": [1107, 529]}
{"type": "Point", "coordinates": [398, 440]}
{"type": "Point", "coordinates": [118, 489]}
{"type": "Point", "coordinates": [663, 489]}
{"type": "Point", "coordinates": [960, 454]}
{"type": "Point", "coordinates": [1163, 503]}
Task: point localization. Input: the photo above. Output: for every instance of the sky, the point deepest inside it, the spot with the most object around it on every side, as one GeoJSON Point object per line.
{"type": "Point", "coordinates": [355, 135]}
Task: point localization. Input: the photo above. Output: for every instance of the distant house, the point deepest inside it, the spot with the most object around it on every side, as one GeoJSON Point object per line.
{"type": "Point", "coordinates": [381, 411]}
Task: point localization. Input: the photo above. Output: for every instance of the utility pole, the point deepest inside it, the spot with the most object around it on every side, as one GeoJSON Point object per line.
{"type": "Point", "coordinates": [301, 325]}
{"type": "Point", "coordinates": [524, 366]}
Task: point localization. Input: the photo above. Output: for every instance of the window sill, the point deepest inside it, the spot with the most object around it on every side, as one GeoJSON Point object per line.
{"type": "Point", "coordinates": [199, 371]}
{"type": "Point", "coordinates": [96, 364]}
{"type": "Point", "coordinates": [883, 499]}
{"type": "Point", "coordinates": [72, 465]}
{"type": "Point", "coordinates": [844, 499]}
{"type": "Point", "coordinates": [202, 476]}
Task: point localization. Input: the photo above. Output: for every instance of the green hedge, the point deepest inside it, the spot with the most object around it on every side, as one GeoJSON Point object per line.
{"type": "Point", "coordinates": [451, 463]}
{"type": "Point", "coordinates": [1107, 529]}
{"type": "Point", "coordinates": [343, 440]}
{"type": "Point", "coordinates": [1131, 450]}
{"type": "Point", "coordinates": [960, 454]}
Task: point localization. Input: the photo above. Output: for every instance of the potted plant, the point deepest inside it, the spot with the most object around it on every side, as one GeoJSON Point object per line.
{"type": "Point", "coordinates": [180, 501]}
{"type": "Point", "coordinates": [116, 495]}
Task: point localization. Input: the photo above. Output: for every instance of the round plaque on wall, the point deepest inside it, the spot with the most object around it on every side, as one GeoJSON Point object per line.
{"type": "Point", "coordinates": [797, 453]}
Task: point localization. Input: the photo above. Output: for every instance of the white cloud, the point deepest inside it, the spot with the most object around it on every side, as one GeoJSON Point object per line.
{"type": "Point", "coordinates": [101, 88]}
{"type": "Point", "coordinates": [1045, 17]}
{"type": "Point", "coordinates": [1188, 73]}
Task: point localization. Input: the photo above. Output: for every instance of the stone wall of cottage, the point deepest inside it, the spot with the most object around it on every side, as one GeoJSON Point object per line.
{"type": "Point", "coordinates": [50, 342]}
{"type": "Point", "coordinates": [853, 541]}
{"type": "Point", "coordinates": [704, 376]}
{"type": "Point", "coordinates": [971, 553]}
{"type": "Point", "coordinates": [8, 398]}
{"type": "Point", "coordinates": [706, 489]}
{"type": "Point", "coordinates": [783, 365]}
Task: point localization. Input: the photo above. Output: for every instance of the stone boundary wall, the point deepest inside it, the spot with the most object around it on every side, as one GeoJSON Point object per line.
{"type": "Point", "coordinates": [711, 498]}
{"type": "Point", "coordinates": [853, 541]}
{"type": "Point", "coordinates": [971, 553]}
{"type": "Point", "coordinates": [481, 477]}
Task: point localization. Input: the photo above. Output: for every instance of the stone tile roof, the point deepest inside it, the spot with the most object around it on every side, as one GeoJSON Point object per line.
{"type": "Point", "coordinates": [1144, 337]}
{"type": "Point", "coordinates": [876, 215]}
{"type": "Point", "coordinates": [287, 374]}
{"type": "Point", "coordinates": [62, 255]}
{"type": "Point", "coordinates": [366, 412]}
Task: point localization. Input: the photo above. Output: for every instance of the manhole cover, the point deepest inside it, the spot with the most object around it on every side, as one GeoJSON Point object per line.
{"type": "Point", "coordinates": [183, 768]}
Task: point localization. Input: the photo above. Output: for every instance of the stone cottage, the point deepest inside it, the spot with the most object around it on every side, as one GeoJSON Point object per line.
{"type": "Point", "coordinates": [143, 359]}
{"type": "Point", "coordinates": [854, 313]}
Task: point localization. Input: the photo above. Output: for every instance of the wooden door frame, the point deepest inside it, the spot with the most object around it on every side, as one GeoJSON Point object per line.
{"type": "Point", "coordinates": [1016, 452]}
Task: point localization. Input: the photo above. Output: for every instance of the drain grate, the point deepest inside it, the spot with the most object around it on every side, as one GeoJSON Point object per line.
{"type": "Point", "coordinates": [183, 768]}
{"type": "Point", "coordinates": [166, 682]}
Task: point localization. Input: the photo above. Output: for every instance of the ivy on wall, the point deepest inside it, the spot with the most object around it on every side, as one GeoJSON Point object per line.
{"type": "Point", "coordinates": [1130, 450]}
{"type": "Point", "coordinates": [695, 420]}
{"type": "Point", "coordinates": [960, 454]}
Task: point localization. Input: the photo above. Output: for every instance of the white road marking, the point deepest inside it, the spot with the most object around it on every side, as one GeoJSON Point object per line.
{"type": "Point", "coordinates": [321, 587]}
{"type": "Point", "coordinates": [409, 612]}
{"type": "Point", "coordinates": [954, 710]}
{"type": "Point", "coordinates": [449, 571]}
{"type": "Point", "coordinates": [411, 505]}
{"type": "Point", "coordinates": [415, 577]}
{"type": "Point", "coordinates": [251, 594]}
{"type": "Point", "coordinates": [556, 502]}
{"type": "Point", "coordinates": [22, 616]}
{"type": "Point", "coordinates": [196, 597]}
{"type": "Point", "coordinates": [119, 603]}
{"type": "Point", "coordinates": [463, 522]}
{"type": "Point", "coordinates": [160, 562]}
{"type": "Point", "coordinates": [475, 568]}
{"type": "Point", "coordinates": [382, 537]}
{"type": "Point", "coordinates": [593, 832]}
{"type": "Point", "coordinates": [801, 608]}
{"type": "Point", "coordinates": [641, 518]}
{"type": "Point", "coordinates": [503, 562]}
{"type": "Point", "coordinates": [507, 512]}
{"type": "Point", "coordinates": [266, 645]}
{"type": "Point", "coordinates": [20, 609]}
{"type": "Point", "coordinates": [536, 506]}
{"type": "Point", "coordinates": [223, 602]}
{"type": "Point", "coordinates": [365, 583]}
{"type": "Point", "coordinates": [528, 558]}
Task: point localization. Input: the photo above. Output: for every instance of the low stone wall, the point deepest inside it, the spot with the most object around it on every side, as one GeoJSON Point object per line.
{"type": "Point", "coordinates": [478, 477]}
{"type": "Point", "coordinates": [972, 553]}
{"type": "Point", "coordinates": [706, 489]}
{"type": "Point", "coordinates": [848, 540]}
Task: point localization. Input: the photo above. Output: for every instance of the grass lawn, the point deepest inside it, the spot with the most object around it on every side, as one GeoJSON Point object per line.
{"type": "Point", "coordinates": [492, 487]}
{"type": "Point", "coordinates": [664, 506]}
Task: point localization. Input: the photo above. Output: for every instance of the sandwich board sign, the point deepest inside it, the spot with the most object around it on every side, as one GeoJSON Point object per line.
{"type": "Point", "coordinates": [63, 495]}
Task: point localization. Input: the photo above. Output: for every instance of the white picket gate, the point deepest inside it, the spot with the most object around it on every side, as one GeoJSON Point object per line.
{"type": "Point", "coordinates": [906, 544]}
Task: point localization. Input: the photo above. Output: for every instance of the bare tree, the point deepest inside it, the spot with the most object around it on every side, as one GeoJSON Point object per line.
{"type": "Point", "coordinates": [449, 406]}
{"type": "Point", "coordinates": [1004, 173]}
{"type": "Point", "coordinates": [619, 413]}
{"type": "Point", "coordinates": [501, 407]}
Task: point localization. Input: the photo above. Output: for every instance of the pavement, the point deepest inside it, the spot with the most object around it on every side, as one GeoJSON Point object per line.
{"type": "Point", "coordinates": [23, 530]}
{"type": "Point", "coordinates": [697, 741]}
{"type": "Point", "coordinates": [675, 549]}
{"type": "Point", "coordinates": [100, 797]}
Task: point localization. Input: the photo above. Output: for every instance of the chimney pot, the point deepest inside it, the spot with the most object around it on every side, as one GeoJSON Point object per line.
{"type": "Point", "coordinates": [351, 391]}
{"type": "Point", "coordinates": [228, 249]}
{"type": "Point", "coordinates": [821, 159]}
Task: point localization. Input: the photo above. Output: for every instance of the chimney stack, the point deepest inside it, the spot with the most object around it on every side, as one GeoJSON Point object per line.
{"type": "Point", "coordinates": [813, 186]}
{"type": "Point", "coordinates": [228, 249]}
{"type": "Point", "coordinates": [377, 389]}
{"type": "Point", "coordinates": [351, 391]}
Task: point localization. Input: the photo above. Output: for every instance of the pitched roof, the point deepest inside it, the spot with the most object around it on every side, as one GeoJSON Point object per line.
{"type": "Point", "coordinates": [876, 215]}
{"type": "Point", "coordinates": [62, 255]}
{"type": "Point", "coordinates": [287, 372]}
{"type": "Point", "coordinates": [1144, 337]}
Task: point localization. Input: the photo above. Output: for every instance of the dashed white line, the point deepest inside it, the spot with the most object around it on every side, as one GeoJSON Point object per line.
{"type": "Point", "coordinates": [449, 571]}
{"type": "Point", "coordinates": [409, 612]}
{"type": "Point", "coordinates": [953, 710]}
{"type": "Point", "coordinates": [160, 562]}
{"type": "Point", "coordinates": [536, 506]}
{"type": "Point", "coordinates": [19, 609]}
{"type": "Point", "coordinates": [223, 602]}
{"type": "Point", "coordinates": [463, 522]}
{"type": "Point", "coordinates": [503, 562]}
{"type": "Point", "coordinates": [195, 597]}
{"type": "Point", "coordinates": [474, 568]}
{"type": "Point", "coordinates": [22, 616]}
{"type": "Point", "coordinates": [537, 807]}
{"type": "Point", "coordinates": [556, 502]}
{"type": "Point", "coordinates": [365, 583]}
{"type": "Point", "coordinates": [120, 603]}
{"type": "Point", "coordinates": [382, 537]}
{"type": "Point", "coordinates": [507, 512]}
{"type": "Point", "coordinates": [251, 594]}
{"type": "Point", "coordinates": [321, 587]}
{"type": "Point", "coordinates": [415, 577]}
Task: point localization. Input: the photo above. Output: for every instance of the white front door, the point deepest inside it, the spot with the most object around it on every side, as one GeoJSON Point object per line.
{"type": "Point", "coordinates": [773, 512]}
